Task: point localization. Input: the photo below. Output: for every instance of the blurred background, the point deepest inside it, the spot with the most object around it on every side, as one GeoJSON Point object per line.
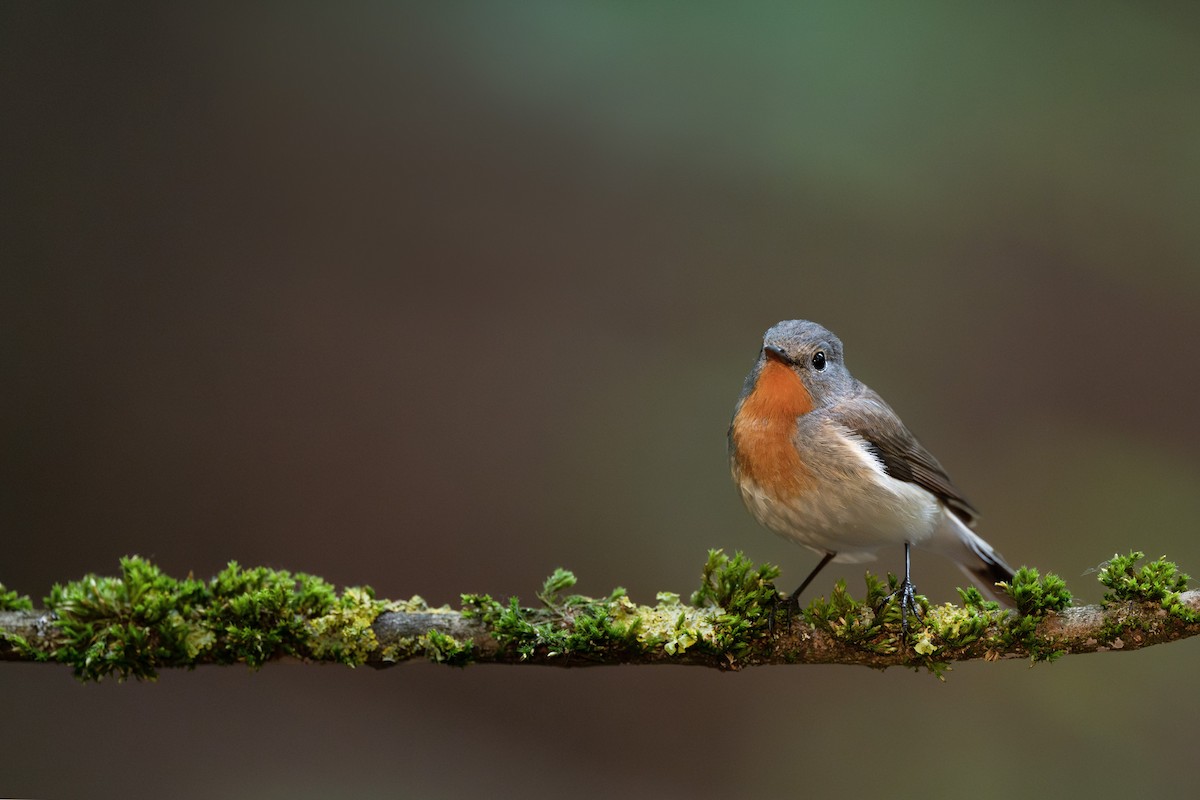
{"type": "Point", "coordinates": [438, 297]}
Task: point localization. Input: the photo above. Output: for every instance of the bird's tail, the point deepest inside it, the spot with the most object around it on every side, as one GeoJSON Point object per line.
{"type": "Point", "coordinates": [978, 559]}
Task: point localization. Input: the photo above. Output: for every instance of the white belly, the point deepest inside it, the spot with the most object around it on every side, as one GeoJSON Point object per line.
{"type": "Point", "coordinates": [851, 511]}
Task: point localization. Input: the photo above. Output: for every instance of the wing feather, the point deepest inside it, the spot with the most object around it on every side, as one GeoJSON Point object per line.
{"type": "Point", "coordinates": [902, 456]}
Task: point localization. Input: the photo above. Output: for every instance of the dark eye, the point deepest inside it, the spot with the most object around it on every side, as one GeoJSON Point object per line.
{"type": "Point", "coordinates": [818, 360]}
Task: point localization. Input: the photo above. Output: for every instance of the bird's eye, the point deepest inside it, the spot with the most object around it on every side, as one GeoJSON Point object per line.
{"type": "Point", "coordinates": [818, 360]}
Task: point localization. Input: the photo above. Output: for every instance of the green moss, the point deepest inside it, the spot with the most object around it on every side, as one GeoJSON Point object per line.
{"type": "Point", "coordinates": [1035, 597]}
{"type": "Point", "coordinates": [136, 623]}
{"type": "Point", "coordinates": [126, 626]}
{"type": "Point", "coordinates": [11, 601]}
{"type": "Point", "coordinates": [1158, 582]}
{"type": "Point", "coordinates": [730, 611]}
{"type": "Point", "coordinates": [746, 597]}
{"type": "Point", "coordinates": [260, 613]}
{"type": "Point", "coordinates": [132, 625]}
{"type": "Point", "coordinates": [481, 607]}
{"type": "Point", "coordinates": [874, 624]}
{"type": "Point", "coordinates": [858, 623]}
{"type": "Point", "coordinates": [445, 649]}
{"type": "Point", "coordinates": [568, 626]}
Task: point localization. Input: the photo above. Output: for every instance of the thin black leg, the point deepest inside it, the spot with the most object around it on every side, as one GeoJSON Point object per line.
{"type": "Point", "coordinates": [908, 594]}
{"type": "Point", "coordinates": [795, 600]}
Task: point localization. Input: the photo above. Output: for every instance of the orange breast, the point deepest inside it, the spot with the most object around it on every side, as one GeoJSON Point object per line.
{"type": "Point", "coordinates": [763, 427]}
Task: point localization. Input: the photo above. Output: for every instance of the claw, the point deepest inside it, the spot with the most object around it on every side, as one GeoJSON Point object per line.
{"type": "Point", "coordinates": [907, 591]}
{"type": "Point", "coordinates": [790, 605]}
{"type": "Point", "coordinates": [793, 600]}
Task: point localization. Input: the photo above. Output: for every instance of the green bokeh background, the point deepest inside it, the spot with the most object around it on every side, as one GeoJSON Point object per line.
{"type": "Point", "coordinates": [439, 297]}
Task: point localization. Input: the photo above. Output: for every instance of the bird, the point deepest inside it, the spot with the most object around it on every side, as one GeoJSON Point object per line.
{"type": "Point", "coordinates": [820, 459]}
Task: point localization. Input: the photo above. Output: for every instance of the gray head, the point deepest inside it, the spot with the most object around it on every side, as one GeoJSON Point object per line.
{"type": "Point", "coordinates": [812, 352]}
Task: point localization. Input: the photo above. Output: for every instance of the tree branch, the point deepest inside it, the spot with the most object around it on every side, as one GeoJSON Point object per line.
{"type": "Point", "coordinates": [143, 621]}
{"type": "Point", "coordinates": [1082, 629]}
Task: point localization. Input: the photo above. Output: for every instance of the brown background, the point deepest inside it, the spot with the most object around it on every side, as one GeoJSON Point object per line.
{"type": "Point", "coordinates": [439, 299]}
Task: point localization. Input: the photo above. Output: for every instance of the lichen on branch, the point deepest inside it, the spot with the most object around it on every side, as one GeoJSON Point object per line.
{"type": "Point", "coordinates": [142, 621]}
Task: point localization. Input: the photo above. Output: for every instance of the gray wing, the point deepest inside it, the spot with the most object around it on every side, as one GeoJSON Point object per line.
{"type": "Point", "coordinates": [901, 455]}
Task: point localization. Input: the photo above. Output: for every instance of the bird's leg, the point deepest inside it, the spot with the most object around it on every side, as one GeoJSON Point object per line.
{"type": "Point", "coordinates": [794, 600]}
{"type": "Point", "coordinates": [908, 596]}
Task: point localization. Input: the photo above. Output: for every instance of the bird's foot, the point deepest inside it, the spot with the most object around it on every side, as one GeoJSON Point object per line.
{"type": "Point", "coordinates": [906, 594]}
{"type": "Point", "coordinates": [789, 605]}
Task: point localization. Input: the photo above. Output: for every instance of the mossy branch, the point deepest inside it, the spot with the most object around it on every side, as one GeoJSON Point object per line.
{"type": "Point", "coordinates": [143, 621]}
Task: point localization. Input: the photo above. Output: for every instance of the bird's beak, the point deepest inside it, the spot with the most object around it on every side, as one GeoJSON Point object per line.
{"type": "Point", "coordinates": [775, 353]}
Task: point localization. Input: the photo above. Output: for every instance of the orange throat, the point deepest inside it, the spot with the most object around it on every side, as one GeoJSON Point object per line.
{"type": "Point", "coordinates": [763, 428]}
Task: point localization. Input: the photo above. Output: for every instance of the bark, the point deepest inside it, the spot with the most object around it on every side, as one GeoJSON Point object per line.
{"type": "Point", "coordinates": [1083, 629]}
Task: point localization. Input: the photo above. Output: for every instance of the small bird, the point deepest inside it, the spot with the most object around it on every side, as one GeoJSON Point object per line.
{"type": "Point", "coordinates": [822, 460]}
